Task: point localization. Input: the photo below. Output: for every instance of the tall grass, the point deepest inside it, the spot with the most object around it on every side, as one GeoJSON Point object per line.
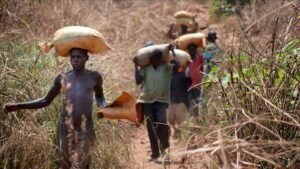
{"type": "Point", "coordinates": [254, 108]}
{"type": "Point", "coordinates": [28, 137]}
{"type": "Point", "coordinates": [124, 24]}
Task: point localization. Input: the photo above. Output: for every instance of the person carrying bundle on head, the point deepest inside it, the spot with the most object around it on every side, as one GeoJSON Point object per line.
{"type": "Point", "coordinates": [155, 76]}
{"type": "Point", "coordinates": [185, 23]}
{"type": "Point", "coordinates": [196, 74]}
{"type": "Point", "coordinates": [194, 45]}
{"type": "Point", "coordinates": [75, 133]}
{"type": "Point", "coordinates": [179, 107]}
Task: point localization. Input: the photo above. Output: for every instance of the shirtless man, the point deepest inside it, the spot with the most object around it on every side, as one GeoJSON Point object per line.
{"type": "Point", "coordinates": [77, 87]}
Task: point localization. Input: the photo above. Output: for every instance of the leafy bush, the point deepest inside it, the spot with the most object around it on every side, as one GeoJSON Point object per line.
{"type": "Point", "coordinates": [223, 8]}
{"type": "Point", "coordinates": [254, 107]}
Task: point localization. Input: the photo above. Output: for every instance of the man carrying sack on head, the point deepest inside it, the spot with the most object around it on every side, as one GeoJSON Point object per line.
{"type": "Point", "coordinates": [194, 45]}
{"type": "Point", "coordinates": [196, 73]}
{"type": "Point", "coordinates": [185, 23]}
{"type": "Point", "coordinates": [155, 98]}
{"type": "Point", "coordinates": [75, 133]}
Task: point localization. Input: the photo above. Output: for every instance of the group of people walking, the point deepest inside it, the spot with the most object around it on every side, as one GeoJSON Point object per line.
{"type": "Point", "coordinates": [171, 92]}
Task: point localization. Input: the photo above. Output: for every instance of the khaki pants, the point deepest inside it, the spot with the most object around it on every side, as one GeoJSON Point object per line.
{"type": "Point", "coordinates": [177, 113]}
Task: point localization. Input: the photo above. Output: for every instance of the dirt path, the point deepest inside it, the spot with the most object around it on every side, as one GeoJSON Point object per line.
{"type": "Point", "coordinates": [141, 151]}
{"type": "Point", "coordinates": [127, 36]}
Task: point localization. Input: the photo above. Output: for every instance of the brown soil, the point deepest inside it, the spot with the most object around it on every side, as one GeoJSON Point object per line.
{"type": "Point", "coordinates": [158, 17]}
{"type": "Point", "coordinates": [126, 25]}
{"type": "Point", "coordinates": [141, 151]}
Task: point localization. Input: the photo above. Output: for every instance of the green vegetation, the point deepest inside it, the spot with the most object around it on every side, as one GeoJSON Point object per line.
{"type": "Point", "coordinates": [254, 107]}
{"type": "Point", "coordinates": [253, 110]}
{"type": "Point", "coordinates": [224, 8]}
{"type": "Point", "coordinates": [28, 137]}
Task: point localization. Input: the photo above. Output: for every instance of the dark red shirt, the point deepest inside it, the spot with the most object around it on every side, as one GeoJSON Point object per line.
{"type": "Point", "coordinates": [196, 70]}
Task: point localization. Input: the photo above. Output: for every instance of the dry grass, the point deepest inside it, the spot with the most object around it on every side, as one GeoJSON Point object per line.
{"type": "Point", "coordinates": [253, 114]}
{"type": "Point", "coordinates": [127, 25]}
{"type": "Point", "coordinates": [257, 126]}
{"type": "Point", "coordinates": [27, 137]}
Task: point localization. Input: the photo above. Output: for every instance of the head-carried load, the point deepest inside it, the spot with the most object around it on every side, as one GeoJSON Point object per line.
{"type": "Point", "coordinates": [198, 39]}
{"type": "Point", "coordinates": [184, 18]}
{"type": "Point", "coordinates": [81, 37]}
{"type": "Point", "coordinates": [144, 54]}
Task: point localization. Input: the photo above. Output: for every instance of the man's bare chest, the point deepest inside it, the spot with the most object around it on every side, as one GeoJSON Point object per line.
{"type": "Point", "coordinates": [80, 86]}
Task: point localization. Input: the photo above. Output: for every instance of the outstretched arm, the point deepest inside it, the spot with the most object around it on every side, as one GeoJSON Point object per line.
{"type": "Point", "coordinates": [39, 103]}
{"type": "Point", "coordinates": [99, 95]}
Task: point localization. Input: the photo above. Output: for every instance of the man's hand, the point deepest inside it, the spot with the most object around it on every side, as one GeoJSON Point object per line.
{"type": "Point", "coordinates": [100, 115]}
{"type": "Point", "coordinates": [135, 61]}
{"type": "Point", "coordinates": [9, 107]}
{"type": "Point", "coordinates": [171, 47]}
